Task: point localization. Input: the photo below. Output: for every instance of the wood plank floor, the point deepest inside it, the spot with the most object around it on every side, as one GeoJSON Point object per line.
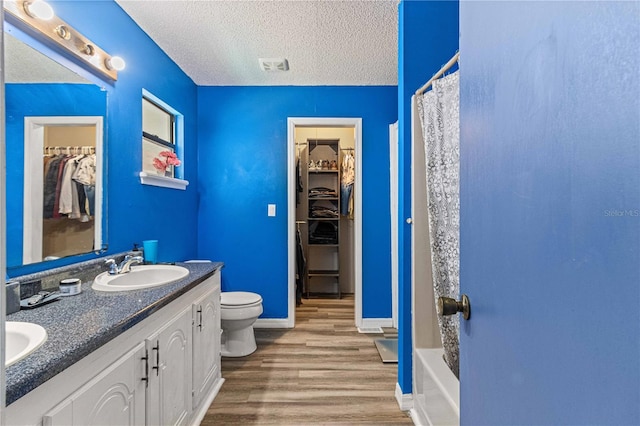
{"type": "Point", "coordinates": [321, 372]}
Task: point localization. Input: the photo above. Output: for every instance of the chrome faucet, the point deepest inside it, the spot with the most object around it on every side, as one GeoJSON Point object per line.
{"type": "Point", "coordinates": [125, 265]}
{"type": "Point", "coordinates": [113, 268]}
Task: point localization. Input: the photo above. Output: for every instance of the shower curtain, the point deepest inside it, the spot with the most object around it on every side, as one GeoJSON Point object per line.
{"type": "Point", "coordinates": [440, 118]}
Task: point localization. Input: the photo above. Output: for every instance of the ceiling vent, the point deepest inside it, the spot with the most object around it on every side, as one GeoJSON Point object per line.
{"type": "Point", "coordinates": [274, 64]}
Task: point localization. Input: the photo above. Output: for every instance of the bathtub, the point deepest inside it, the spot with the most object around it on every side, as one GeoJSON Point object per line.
{"type": "Point", "coordinates": [436, 390]}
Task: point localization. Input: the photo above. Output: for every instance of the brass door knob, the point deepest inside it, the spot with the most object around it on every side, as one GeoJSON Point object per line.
{"type": "Point", "coordinates": [449, 306]}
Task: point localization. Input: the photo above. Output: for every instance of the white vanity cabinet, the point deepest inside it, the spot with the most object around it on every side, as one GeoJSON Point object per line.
{"type": "Point", "coordinates": [206, 344]}
{"type": "Point", "coordinates": [165, 370]}
{"type": "Point", "coordinates": [114, 397]}
{"type": "Point", "coordinates": [169, 359]}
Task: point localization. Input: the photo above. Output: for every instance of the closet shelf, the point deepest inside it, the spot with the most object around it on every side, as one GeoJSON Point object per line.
{"type": "Point", "coordinates": [324, 273]}
{"type": "Point", "coordinates": [322, 195]}
{"type": "Point", "coordinates": [163, 181]}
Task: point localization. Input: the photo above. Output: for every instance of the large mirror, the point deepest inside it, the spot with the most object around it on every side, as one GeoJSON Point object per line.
{"type": "Point", "coordinates": [55, 126]}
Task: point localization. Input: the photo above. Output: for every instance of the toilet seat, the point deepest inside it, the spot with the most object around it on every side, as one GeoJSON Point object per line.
{"type": "Point", "coordinates": [239, 299]}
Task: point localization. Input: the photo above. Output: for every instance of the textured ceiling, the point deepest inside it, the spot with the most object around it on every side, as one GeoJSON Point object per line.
{"type": "Point", "coordinates": [218, 42]}
{"type": "Point", "coordinates": [23, 64]}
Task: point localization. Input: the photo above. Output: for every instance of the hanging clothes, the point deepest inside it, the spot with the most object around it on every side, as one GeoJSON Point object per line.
{"type": "Point", "coordinates": [301, 266]}
{"type": "Point", "coordinates": [50, 184]}
{"type": "Point", "coordinates": [69, 186]}
{"type": "Point", "coordinates": [65, 205]}
{"type": "Point", "coordinates": [299, 188]}
{"type": "Point", "coordinates": [85, 173]}
{"type": "Point", "coordinates": [347, 180]}
{"type": "Point", "coordinates": [85, 179]}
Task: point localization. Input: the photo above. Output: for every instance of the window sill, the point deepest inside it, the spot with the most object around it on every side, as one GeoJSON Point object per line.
{"type": "Point", "coordinates": [163, 181]}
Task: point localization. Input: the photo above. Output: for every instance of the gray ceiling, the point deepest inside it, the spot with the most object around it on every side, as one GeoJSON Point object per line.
{"type": "Point", "coordinates": [218, 42]}
{"type": "Point", "coordinates": [23, 64]}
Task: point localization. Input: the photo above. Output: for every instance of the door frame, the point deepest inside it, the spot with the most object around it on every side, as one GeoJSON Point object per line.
{"type": "Point", "coordinates": [34, 128]}
{"type": "Point", "coordinates": [292, 123]}
{"type": "Point", "coordinates": [393, 205]}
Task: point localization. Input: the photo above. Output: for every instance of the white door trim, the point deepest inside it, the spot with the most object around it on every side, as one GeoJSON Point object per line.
{"type": "Point", "coordinates": [393, 182]}
{"type": "Point", "coordinates": [33, 178]}
{"type": "Point", "coordinates": [356, 123]}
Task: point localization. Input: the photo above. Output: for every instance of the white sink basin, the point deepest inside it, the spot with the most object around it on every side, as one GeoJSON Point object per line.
{"type": "Point", "coordinates": [22, 338]}
{"type": "Point", "coordinates": [141, 276]}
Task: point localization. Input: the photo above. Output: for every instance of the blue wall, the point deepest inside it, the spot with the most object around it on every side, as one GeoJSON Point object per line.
{"type": "Point", "coordinates": [239, 153]}
{"type": "Point", "coordinates": [550, 212]}
{"type": "Point", "coordinates": [427, 39]}
{"type": "Point", "coordinates": [137, 212]}
{"type": "Point", "coordinates": [37, 100]}
{"type": "Point", "coordinates": [243, 167]}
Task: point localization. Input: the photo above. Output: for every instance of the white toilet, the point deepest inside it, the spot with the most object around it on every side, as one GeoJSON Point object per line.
{"type": "Point", "coordinates": [238, 311]}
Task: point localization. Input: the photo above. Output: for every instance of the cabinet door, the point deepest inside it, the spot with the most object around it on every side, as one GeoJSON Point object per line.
{"type": "Point", "coordinates": [206, 344]}
{"type": "Point", "coordinates": [114, 397]}
{"type": "Point", "coordinates": [169, 391]}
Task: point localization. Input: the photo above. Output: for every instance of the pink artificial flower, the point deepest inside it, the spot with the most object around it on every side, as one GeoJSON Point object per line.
{"type": "Point", "coordinates": [158, 164]}
{"type": "Point", "coordinates": [170, 159]}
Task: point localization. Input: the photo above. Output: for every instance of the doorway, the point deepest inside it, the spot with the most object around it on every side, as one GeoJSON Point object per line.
{"type": "Point", "coordinates": [45, 235]}
{"type": "Point", "coordinates": [354, 269]}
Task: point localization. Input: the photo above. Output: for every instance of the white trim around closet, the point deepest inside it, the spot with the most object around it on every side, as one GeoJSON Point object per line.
{"type": "Point", "coordinates": [292, 122]}
{"type": "Point", "coordinates": [34, 136]}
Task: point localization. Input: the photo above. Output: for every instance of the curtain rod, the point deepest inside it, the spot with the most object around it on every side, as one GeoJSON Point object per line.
{"type": "Point", "coordinates": [439, 74]}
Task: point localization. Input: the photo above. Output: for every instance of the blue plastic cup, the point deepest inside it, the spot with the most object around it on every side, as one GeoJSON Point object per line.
{"type": "Point", "coordinates": [150, 248]}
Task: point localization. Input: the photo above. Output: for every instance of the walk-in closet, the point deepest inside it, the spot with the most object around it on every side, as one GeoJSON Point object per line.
{"type": "Point", "coordinates": [69, 179]}
{"type": "Point", "coordinates": [325, 176]}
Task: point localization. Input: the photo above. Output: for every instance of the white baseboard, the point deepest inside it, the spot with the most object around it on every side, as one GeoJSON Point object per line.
{"type": "Point", "coordinates": [405, 400]}
{"type": "Point", "coordinates": [375, 322]}
{"type": "Point", "coordinates": [416, 419]}
{"type": "Point", "coordinates": [204, 405]}
{"type": "Point", "coordinates": [273, 323]}
{"type": "Point", "coordinates": [370, 330]}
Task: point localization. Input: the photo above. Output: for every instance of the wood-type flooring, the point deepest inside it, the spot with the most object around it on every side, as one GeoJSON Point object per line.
{"type": "Point", "coordinates": [320, 372]}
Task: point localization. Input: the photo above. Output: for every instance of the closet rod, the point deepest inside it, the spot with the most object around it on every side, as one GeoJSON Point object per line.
{"type": "Point", "coordinates": [48, 149]}
{"type": "Point", "coordinates": [439, 74]}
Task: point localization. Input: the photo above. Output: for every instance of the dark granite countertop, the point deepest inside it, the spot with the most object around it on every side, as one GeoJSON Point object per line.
{"type": "Point", "coordinates": [78, 325]}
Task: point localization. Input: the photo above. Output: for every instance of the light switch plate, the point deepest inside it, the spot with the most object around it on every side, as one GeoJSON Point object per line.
{"type": "Point", "coordinates": [271, 210]}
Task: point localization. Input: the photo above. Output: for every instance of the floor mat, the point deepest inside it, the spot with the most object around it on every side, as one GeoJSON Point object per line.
{"type": "Point", "coordinates": [388, 350]}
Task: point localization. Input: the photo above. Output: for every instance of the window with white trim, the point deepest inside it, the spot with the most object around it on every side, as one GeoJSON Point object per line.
{"type": "Point", "coordinates": [161, 138]}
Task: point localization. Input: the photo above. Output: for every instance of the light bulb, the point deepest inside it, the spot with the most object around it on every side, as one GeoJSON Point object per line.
{"type": "Point", "coordinates": [115, 63]}
{"type": "Point", "coordinates": [39, 9]}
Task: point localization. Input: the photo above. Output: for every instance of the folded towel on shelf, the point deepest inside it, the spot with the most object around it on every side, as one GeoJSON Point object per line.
{"type": "Point", "coordinates": [323, 232]}
{"type": "Point", "coordinates": [324, 209]}
{"type": "Point", "coordinates": [322, 192]}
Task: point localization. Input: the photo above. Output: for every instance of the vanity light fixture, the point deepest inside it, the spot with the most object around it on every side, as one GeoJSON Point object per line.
{"type": "Point", "coordinates": [63, 32]}
{"type": "Point", "coordinates": [38, 9]}
{"type": "Point", "coordinates": [89, 50]}
{"type": "Point", "coordinates": [37, 18]}
{"type": "Point", "coordinates": [115, 63]}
